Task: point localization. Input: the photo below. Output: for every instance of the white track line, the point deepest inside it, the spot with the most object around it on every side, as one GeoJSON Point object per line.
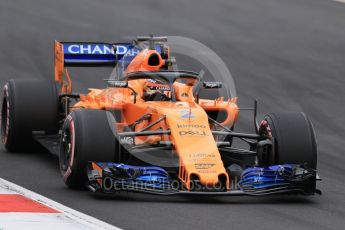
{"type": "Point", "coordinates": [78, 217]}
{"type": "Point", "coordinates": [38, 221]}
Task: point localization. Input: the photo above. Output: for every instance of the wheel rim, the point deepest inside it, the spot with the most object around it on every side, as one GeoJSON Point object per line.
{"type": "Point", "coordinates": [265, 129]}
{"type": "Point", "coordinates": [4, 121]}
{"type": "Point", "coordinates": [66, 149]}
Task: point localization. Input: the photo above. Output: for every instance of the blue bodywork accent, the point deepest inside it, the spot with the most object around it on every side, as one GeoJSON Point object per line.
{"type": "Point", "coordinates": [135, 177]}
{"type": "Point", "coordinates": [187, 114]}
{"type": "Point", "coordinates": [98, 53]}
{"type": "Point", "coordinates": [258, 177]}
{"type": "Point", "coordinates": [255, 181]}
{"type": "Point", "coordinates": [85, 52]}
{"type": "Point", "coordinates": [277, 177]}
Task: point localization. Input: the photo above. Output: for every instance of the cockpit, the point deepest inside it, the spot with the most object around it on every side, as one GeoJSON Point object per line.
{"type": "Point", "coordinates": [163, 85]}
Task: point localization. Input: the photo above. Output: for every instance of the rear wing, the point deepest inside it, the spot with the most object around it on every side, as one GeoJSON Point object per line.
{"type": "Point", "coordinates": [85, 54]}
{"type": "Point", "coordinates": [95, 54]}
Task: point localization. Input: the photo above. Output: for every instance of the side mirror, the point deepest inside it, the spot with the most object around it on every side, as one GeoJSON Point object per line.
{"type": "Point", "coordinates": [122, 84]}
{"type": "Point", "coordinates": [212, 85]}
{"type": "Point", "coordinates": [118, 84]}
{"type": "Point", "coordinates": [208, 85]}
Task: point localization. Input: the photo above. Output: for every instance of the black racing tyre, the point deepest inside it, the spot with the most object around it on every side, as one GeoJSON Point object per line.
{"type": "Point", "coordinates": [28, 105]}
{"type": "Point", "coordinates": [87, 135]}
{"type": "Point", "coordinates": [294, 138]}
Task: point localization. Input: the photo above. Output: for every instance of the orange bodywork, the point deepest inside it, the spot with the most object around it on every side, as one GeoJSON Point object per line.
{"type": "Point", "coordinates": [59, 70]}
{"type": "Point", "coordinates": [191, 135]}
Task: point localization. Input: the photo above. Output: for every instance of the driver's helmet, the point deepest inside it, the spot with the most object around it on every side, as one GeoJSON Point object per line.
{"type": "Point", "coordinates": [156, 90]}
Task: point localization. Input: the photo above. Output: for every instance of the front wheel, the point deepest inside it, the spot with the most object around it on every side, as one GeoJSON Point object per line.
{"type": "Point", "coordinates": [294, 138]}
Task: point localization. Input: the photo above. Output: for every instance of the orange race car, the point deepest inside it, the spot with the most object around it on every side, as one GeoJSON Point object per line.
{"type": "Point", "coordinates": [149, 130]}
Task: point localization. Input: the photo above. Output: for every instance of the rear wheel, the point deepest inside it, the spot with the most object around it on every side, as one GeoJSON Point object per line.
{"type": "Point", "coordinates": [28, 105]}
{"type": "Point", "coordinates": [87, 135]}
{"type": "Point", "coordinates": [294, 138]}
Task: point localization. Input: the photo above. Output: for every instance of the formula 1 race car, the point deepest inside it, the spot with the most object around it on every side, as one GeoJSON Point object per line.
{"type": "Point", "coordinates": [150, 131]}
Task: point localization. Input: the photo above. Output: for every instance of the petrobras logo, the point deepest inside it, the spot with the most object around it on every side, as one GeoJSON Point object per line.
{"type": "Point", "coordinates": [100, 49]}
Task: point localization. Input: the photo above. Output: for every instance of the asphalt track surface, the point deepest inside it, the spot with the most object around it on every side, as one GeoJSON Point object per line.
{"type": "Point", "coordinates": [290, 55]}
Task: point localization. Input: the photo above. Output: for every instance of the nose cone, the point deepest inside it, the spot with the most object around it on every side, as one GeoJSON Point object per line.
{"type": "Point", "coordinates": [206, 170]}
{"type": "Point", "coordinates": [195, 145]}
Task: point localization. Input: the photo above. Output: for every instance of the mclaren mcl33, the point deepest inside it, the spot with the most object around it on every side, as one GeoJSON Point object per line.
{"type": "Point", "coordinates": [150, 130]}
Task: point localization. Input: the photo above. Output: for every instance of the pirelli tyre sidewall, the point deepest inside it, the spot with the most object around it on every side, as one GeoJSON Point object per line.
{"type": "Point", "coordinates": [294, 138]}
{"type": "Point", "coordinates": [86, 136]}
{"type": "Point", "coordinates": [28, 105]}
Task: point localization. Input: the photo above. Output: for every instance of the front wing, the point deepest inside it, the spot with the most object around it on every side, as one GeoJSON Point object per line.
{"type": "Point", "coordinates": [109, 177]}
